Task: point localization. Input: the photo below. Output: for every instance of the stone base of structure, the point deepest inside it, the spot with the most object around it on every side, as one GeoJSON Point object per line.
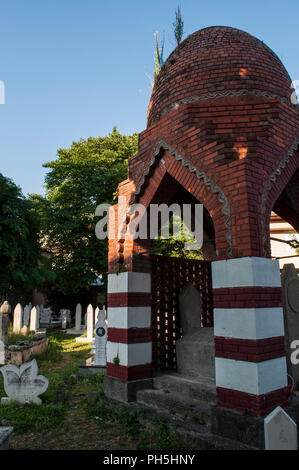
{"type": "Point", "coordinates": [89, 368]}
{"type": "Point", "coordinates": [124, 391]}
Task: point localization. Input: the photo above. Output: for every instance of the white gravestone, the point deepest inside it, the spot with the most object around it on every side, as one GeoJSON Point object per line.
{"type": "Point", "coordinates": [63, 319]}
{"type": "Point", "coordinates": [89, 320]}
{"type": "Point", "coordinates": [17, 318]}
{"type": "Point", "coordinates": [280, 431]}
{"type": "Point", "coordinates": [96, 313]}
{"type": "Point", "coordinates": [26, 315]}
{"type": "Point", "coordinates": [78, 317]}
{"type": "Point", "coordinates": [100, 358]}
{"type": "Point", "coordinates": [34, 319]}
{"type": "Point", "coordinates": [22, 384]}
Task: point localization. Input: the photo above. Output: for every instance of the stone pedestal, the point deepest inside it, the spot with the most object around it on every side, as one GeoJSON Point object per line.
{"type": "Point", "coordinates": [122, 390]}
{"type": "Point", "coordinates": [196, 354]}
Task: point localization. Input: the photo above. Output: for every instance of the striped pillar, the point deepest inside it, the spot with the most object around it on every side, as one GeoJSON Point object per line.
{"type": "Point", "coordinates": [250, 358]}
{"type": "Point", "coordinates": [129, 346]}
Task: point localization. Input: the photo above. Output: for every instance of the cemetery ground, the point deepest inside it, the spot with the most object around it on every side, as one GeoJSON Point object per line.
{"type": "Point", "coordinates": [74, 414]}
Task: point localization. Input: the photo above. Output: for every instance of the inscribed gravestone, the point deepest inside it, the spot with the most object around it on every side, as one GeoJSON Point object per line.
{"type": "Point", "coordinates": [100, 358]}
{"type": "Point", "coordinates": [22, 383]}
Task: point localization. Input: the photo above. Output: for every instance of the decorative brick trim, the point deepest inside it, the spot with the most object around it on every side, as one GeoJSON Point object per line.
{"type": "Point", "coordinates": [247, 297]}
{"type": "Point", "coordinates": [257, 404]}
{"type": "Point", "coordinates": [129, 299]}
{"type": "Point", "coordinates": [143, 371]}
{"type": "Point", "coordinates": [249, 349]}
{"type": "Point", "coordinates": [270, 181]}
{"type": "Point", "coordinates": [200, 174]}
{"type": "Point", "coordinates": [130, 335]}
{"type": "Point", "coordinates": [216, 95]}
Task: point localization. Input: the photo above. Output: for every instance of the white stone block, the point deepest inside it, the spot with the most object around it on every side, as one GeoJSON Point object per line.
{"type": "Point", "coordinates": [256, 378]}
{"type": "Point", "coordinates": [248, 323]}
{"type": "Point", "coordinates": [130, 354]}
{"type": "Point", "coordinates": [246, 272]}
{"type": "Point", "coordinates": [129, 317]}
{"type": "Point", "coordinates": [129, 282]}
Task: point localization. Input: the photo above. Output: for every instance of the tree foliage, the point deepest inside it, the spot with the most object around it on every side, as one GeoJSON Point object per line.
{"type": "Point", "coordinates": [83, 176]}
{"type": "Point", "coordinates": [178, 26]}
{"type": "Point", "coordinates": [21, 263]}
{"type": "Point", "coordinates": [174, 245]}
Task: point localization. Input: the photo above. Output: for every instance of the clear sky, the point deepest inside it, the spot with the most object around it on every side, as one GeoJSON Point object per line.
{"type": "Point", "coordinates": [75, 68]}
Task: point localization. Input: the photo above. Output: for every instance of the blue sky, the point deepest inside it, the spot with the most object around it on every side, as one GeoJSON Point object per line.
{"type": "Point", "coordinates": [75, 68]}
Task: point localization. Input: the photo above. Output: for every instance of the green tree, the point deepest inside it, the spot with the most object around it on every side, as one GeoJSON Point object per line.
{"type": "Point", "coordinates": [83, 176]}
{"type": "Point", "coordinates": [174, 245]}
{"type": "Point", "coordinates": [21, 263]}
{"type": "Point", "coordinates": [178, 26]}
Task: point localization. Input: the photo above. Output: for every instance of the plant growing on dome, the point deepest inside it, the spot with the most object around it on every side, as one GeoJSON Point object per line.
{"type": "Point", "coordinates": [159, 51]}
{"type": "Point", "coordinates": [178, 26]}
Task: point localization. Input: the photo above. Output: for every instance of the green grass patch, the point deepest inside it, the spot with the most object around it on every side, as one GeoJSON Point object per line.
{"type": "Point", "coordinates": [58, 363]}
{"type": "Point", "coordinates": [33, 418]}
{"type": "Point", "coordinates": [13, 338]}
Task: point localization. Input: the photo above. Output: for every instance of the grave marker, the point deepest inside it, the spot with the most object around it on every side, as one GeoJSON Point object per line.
{"type": "Point", "coordinates": [17, 318]}
{"type": "Point", "coordinates": [280, 431]}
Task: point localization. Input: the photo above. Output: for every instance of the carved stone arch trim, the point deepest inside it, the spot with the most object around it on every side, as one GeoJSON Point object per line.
{"type": "Point", "coordinates": [200, 174]}
{"type": "Point", "coordinates": [268, 186]}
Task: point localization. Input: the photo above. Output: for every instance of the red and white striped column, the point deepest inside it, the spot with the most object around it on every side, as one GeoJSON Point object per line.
{"type": "Point", "coordinates": [250, 361]}
{"type": "Point", "coordinates": [129, 345]}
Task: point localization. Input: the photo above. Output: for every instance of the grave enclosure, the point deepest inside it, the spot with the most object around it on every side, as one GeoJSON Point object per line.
{"type": "Point", "coordinates": [221, 132]}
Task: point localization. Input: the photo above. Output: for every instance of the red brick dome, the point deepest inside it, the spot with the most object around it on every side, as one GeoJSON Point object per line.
{"type": "Point", "coordinates": [217, 62]}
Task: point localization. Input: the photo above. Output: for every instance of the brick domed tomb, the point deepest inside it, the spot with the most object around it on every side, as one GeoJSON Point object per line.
{"type": "Point", "coordinates": [222, 131]}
